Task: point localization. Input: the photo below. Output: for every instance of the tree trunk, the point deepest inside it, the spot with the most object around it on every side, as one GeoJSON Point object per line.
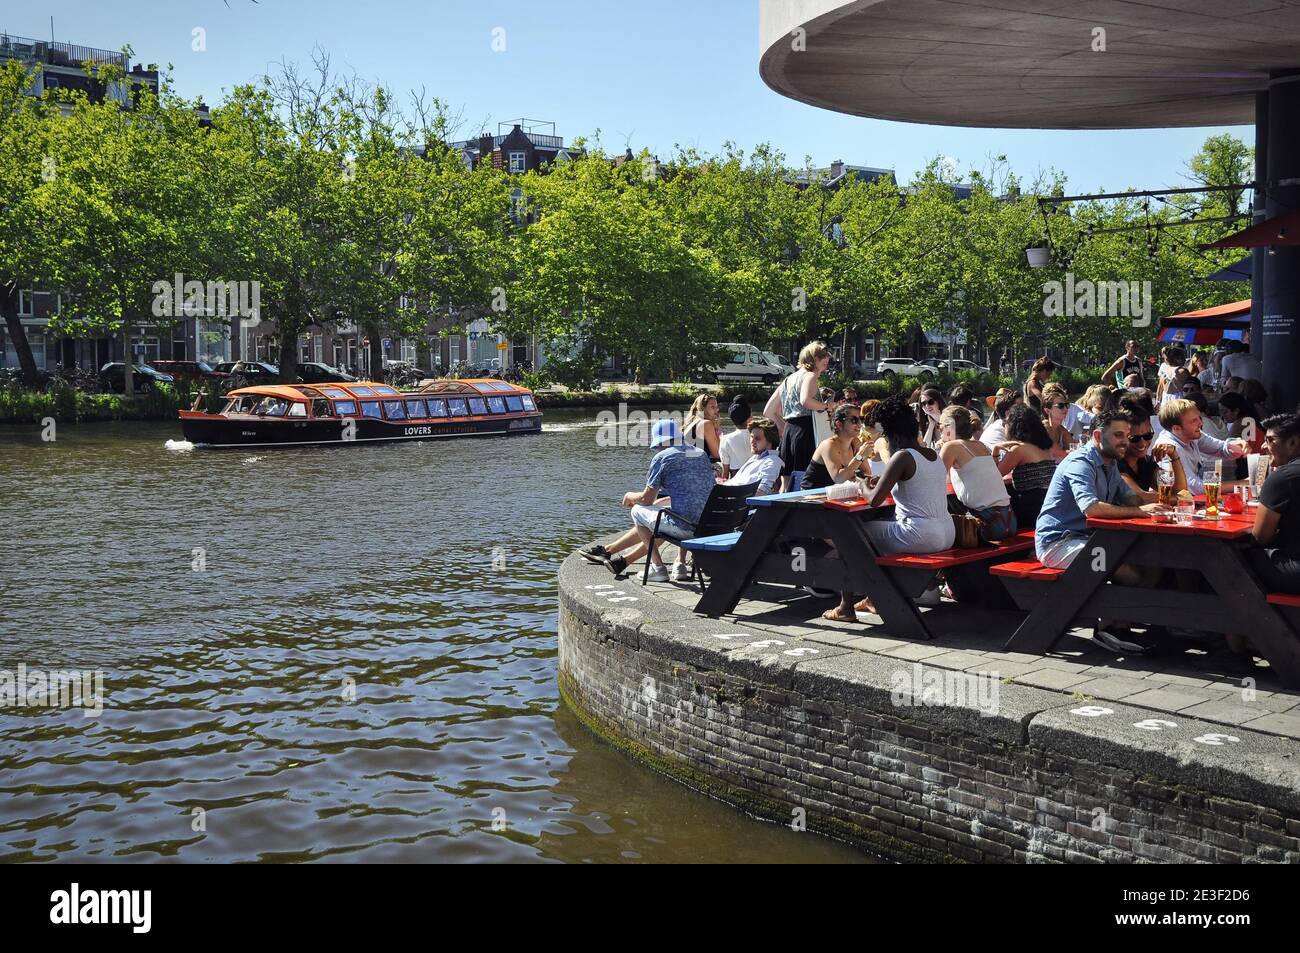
{"type": "Point", "coordinates": [128, 360]}
{"type": "Point", "coordinates": [288, 357]}
{"type": "Point", "coordinates": [376, 357]}
{"type": "Point", "coordinates": [18, 334]}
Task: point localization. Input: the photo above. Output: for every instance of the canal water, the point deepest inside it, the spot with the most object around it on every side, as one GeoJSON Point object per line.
{"type": "Point", "coordinates": [321, 654]}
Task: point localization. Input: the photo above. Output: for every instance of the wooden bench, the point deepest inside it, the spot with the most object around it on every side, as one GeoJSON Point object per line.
{"type": "Point", "coordinates": [966, 570]}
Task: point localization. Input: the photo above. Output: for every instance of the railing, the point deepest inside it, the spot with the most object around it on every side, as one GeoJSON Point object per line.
{"type": "Point", "coordinates": [57, 54]}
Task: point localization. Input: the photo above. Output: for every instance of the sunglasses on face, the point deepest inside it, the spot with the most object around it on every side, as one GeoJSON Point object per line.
{"type": "Point", "coordinates": [854, 420]}
{"type": "Point", "coordinates": [1142, 437]}
{"type": "Point", "coordinates": [1061, 406]}
{"type": "Point", "coordinates": [931, 403]}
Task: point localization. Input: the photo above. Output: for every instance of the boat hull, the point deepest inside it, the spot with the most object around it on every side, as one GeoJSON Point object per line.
{"type": "Point", "coordinates": [215, 430]}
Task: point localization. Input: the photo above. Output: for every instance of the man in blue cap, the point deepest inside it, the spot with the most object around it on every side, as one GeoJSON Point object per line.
{"type": "Point", "coordinates": [681, 478]}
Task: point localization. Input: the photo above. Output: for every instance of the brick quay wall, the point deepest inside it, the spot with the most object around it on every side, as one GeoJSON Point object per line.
{"type": "Point", "coordinates": [906, 763]}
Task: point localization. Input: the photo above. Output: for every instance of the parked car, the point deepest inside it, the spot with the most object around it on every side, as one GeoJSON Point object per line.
{"type": "Point", "coordinates": [315, 373]}
{"type": "Point", "coordinates": [964, 367]}
{"type": "Point", "coordinates": [892, 367]}
{"type": "Point", "coordinates": [776, 359]}
{"type": "Point", "coordinates": [112, 377]}
{"type": "Point", "coordinates": [189, 370]}
{"type": "Point", "coordinates": [247, 373]}
{"type": "Point", "coordinates": [744, 362]}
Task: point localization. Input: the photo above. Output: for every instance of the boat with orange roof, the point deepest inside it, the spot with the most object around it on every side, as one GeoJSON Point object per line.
{"type": "Point", "coordinates": [285, 415]}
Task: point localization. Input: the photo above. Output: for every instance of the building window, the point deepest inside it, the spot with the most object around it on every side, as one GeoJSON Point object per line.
{"type": "Point", "coordinates": [517, 160]}
{"type": "Point", "coordinates": [24, 304]}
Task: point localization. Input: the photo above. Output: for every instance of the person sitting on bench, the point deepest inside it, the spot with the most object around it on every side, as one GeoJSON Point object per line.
{"type": "Point", "coordinates": [1087, 484]}
{"type": "Point", "coordinates": [918, 480]}
{"type": "Point", "coordinates": [764, 463]}
{"type": "Point", "coordinates": [680, 479]}
{"type": "Point", "coordinates": [1277, 521]}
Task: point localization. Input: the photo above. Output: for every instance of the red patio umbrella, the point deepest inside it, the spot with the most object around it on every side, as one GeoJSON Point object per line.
{"type": "Point", "coordinates": [1284, 229]}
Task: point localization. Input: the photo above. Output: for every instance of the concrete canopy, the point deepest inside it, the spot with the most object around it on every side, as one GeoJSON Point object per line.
{"type": "Point", "coordinates": [1031, 63]}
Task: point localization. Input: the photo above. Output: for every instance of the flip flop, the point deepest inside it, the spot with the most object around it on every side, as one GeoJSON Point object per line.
{"type": "Point", "coordinates": [833, 615]}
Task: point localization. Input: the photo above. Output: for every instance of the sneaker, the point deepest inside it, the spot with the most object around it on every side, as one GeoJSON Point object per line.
{"type": "Point", "coordinates": [616, 565]}
{"type": "Point", "coordinates": [594, 554]}
{"type": "Point", "coordinates": [681, 572]}
{"type": "Point", "coordinates": [658, 574]}
{"type": "Point", "coordinates": [929, 598]}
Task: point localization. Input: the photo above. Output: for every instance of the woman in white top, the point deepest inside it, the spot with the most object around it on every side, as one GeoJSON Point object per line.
{"type": "Point", "coordinates": [976, 480]}
{"type": "Point", "coordinates": [918, 480]}
{"type": "Point", "coordinates": [734, 449]}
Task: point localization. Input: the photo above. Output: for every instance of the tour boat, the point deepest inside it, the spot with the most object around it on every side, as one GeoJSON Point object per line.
{"type": "Point", "coordinates": [280, 415]}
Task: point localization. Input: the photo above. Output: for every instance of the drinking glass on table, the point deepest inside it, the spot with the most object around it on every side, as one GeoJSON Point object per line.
{"type": "Point", "coordinates": [1213, 490]}
{"type": "Point", "coordinates": [1165, 494]}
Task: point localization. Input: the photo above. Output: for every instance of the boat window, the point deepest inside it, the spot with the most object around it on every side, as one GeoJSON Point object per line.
{"type": "Point", "coordinates": [247, 403]}
{"type": "Point", "coordinates": [346, 408]}
{"type": "Point", "coordinates": [514, 403]}
{"type": "Point", "coordinates": [394, 410]}
{"type": "Point", "coordinates": [232, 406]}
{"type": "Point", "coordinates": [321, 408]}
{"type": "Point", "coordinates": [387, 391]}
{"type": "Point", "coordinates": [363, 391]}
{"type": "Point", "coordinates": [458, 407]}
{"type": "Point", "coordinates": [437, 408]}
{"type": "Point", "coordinates": [335, 393]}
{"type": "Point", "coordinates": [272, 407]}
{"type": "Point", "coordinates": [497, 405]}
{"type": "Point", "coordinates": [415, 409]}
{"type": "Point", "coordinates": [370, 408]}
{"type": "Point", "coordinates": [529, 403]}
{"type": "Point", "coordinates": [477, 406]}
{"type": "Point", "coordinates": [297, 409]}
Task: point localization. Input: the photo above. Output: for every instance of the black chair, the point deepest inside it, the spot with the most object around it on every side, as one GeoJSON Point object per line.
{"type": "Point", "coordinates": [724, 512]}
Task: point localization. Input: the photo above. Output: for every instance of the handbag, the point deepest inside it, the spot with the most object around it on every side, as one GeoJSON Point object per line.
{"type": "Point", "coordinates": [967, 531]}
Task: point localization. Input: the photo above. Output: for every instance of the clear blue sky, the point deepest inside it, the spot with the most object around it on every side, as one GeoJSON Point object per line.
{"type": "Point", "coordinates": [644, 74]}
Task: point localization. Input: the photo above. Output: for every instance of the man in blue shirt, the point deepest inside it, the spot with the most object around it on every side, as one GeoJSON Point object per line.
{"type": "Point", "coordinates": [681, 478]}
{"type": "Point", "coordinates": [1087, 483]}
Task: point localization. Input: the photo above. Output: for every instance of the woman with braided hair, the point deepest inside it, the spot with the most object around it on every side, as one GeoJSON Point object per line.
{"type": "Point", "coordinates": [918, 480]}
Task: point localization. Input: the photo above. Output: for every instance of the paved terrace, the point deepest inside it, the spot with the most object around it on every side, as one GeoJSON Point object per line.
{"type": "Point", "coordinates": [969, 638]}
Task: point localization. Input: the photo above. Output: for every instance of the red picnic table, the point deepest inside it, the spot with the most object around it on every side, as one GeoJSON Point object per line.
{"type": "Point", "coordinates": [1058, 599]}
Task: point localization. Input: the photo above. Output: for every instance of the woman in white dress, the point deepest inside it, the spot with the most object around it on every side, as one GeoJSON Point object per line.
{"type": "Point", "coordinates": [918, 480]}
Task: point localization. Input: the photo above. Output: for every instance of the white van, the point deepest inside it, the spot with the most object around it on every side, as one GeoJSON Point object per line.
{"type": "Point", "coordinates": [745, 363]}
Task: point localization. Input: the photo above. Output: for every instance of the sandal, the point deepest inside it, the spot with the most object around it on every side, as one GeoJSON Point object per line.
{"type": "Point", "coordinates": [833, 615]}
{"type": "Point", "coordinates": [865, 605]}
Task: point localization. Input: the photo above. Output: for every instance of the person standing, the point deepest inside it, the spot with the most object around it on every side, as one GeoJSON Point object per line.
{"type": "Point", "coordinates": [795, 401]}
{"type": "Point", "coordinates": [1130, 362]}
{"type": "Point", "coordinates": [1039, 374]}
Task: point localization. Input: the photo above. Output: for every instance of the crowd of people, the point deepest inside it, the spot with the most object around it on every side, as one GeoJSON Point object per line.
{"type": "Point", "coordinates": [1026, 458]}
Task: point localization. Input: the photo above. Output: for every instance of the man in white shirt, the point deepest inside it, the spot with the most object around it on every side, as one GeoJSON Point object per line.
{"type": "Point", "coordinates": [764, 463]}
{"type": "Point", "coordinates": [1182, 425]}
{"type": "Point", "coordinates": [995, 431]}
{"type": "Point", "coordinates": [734, 448]}
{"type": "Point", "coordinates": [1241, 363]}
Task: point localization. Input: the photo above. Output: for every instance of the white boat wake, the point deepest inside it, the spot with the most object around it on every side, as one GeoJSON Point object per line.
{"type": "Point", "coordinates": [179, 445]}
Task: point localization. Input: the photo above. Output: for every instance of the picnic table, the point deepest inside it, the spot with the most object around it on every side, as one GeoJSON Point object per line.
{"type": "Point", "coordinates": [1058, 599]}
{"type": "Point", "coordinates": [783, 543]}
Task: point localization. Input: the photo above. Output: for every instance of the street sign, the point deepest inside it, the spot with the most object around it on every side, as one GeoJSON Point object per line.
{"type": "Point", "coordinates": [503, 346]}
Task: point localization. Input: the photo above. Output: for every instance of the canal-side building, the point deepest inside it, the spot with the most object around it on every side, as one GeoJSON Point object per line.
{"type": "Point", "coordinates": [69, 66]}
